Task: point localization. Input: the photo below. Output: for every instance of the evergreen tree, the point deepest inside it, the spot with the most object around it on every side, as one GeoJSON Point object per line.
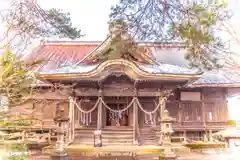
{"type": "Point", "coordinates": [193, 23]}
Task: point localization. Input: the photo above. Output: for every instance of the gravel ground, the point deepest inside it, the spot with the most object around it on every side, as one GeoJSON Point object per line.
{"type": "Point", "coordinates": [212, 156]}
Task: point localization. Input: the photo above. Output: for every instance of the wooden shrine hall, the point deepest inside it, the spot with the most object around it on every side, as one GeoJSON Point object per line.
{"type": "Point", "coordinates": [126, 93]}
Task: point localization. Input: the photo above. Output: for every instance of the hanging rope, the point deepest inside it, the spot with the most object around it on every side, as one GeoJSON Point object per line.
{"type": "Point", "coordinates": [89, 111]}
{"type": "Point", "coordinates": [153, 111]}
{"type": "Point", "coordinates": [117, 111]}
{"type": "Point", "coordinates": [150, 117]}
{"type": "Point", "coordinates": [86, 116]}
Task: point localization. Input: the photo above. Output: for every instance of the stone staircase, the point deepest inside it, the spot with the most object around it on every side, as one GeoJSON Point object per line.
{"type": "Point", "coordinates": [158, 133]}
{"type": "Point", "coordinates": [119, 135]}
{"type": "Point", "coordinates": [84, 135]}
{"type": "Point", "coordinates": [148, 136]}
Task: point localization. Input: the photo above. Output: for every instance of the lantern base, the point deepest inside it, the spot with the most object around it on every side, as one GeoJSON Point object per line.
{"type": "Point", "coordinates": [168, 154]}
{"type": "Point", "coordinates": [59, 156]}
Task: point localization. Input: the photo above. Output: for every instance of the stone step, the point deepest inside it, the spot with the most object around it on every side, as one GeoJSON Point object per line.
{"type": "Point", "coordinates": [115, 158]}
{"type": "Point", "coordinates": [149, 138]}
{"type": "Point", "coordinates": [105, 136]}
{"type": "Point", "coordinates": [93, 127]}
{"type": "Point", "coordinates": [40, 157]}
{"type": "Point", "coordinates": [147, 133]}
{"type": "Point", "coordinates": [117, 133]}
{"type": "Point", "coordinates": [147, 157]}
{"type": "Point", "coordinates": [105, 131]}
{"type": "Point", "coordinates": [85, 133]}
{"type": "Point", "coordinates": [149, 143]}
{"type": "Point", "coordinates": [118, 137]}
{"type": "Point", "coordinates": [77, 157]}
{"type": "Point", "coordinates": [105, 143]}
{"type": "Point", "coordinates": [105, 139]}
{"type": "Point", "coordinates": [118, 128]}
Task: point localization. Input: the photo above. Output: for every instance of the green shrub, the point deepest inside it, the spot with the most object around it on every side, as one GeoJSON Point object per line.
{"type": "Point", "coordinates": [231, 123]}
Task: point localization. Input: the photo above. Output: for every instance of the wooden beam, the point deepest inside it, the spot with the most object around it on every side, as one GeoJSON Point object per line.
{"type": "Point", "coordinates": [120, 93]}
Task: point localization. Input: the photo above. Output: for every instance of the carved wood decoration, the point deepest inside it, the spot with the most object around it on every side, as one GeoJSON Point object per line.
{"type": "Point", "coordinates": [118, 83]}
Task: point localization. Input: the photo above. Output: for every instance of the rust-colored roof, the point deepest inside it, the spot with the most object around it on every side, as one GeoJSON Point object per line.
{"type": "Point", "coordinates": [56, 54]}
{"type": "Point", "coordinates": [59, 53]}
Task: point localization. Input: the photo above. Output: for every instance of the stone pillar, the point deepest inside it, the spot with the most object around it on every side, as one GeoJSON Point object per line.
{"type": "Point", "coordinates": [167, 154]}
{"type": "Point", "coordinates": [59, 153]}
{"type": "Point", "coordinates": [210, 136]}
{"type": "Point", "coordinates": [161, 110]}
{"type": "Point", "coordinates": [205, 138]}
{"type": "Point", "coordinates": [184, 136]}
{"type": "Point", "coordinates": [166, 121]}
{"type": "Point", "coordinates": [59, 156]}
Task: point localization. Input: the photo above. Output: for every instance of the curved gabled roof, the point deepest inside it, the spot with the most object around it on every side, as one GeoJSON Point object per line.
{"type": "Point", "coordinates": [135, 71]}
{"type": "Point", "coordinates": [60, 56]}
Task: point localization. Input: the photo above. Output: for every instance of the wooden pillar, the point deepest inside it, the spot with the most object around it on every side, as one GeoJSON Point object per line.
{"type": "Point", "coordinates": [180, 112]}
{"type": "Point", "coordinates": [71, 119]}
{"type": "Point", "coordinates": [135, 121]}
{"type": "Point", "coordinates": [225, 106]}
{"type": "Point", "coordinates": [104, 117]}
{"type": "Point", "coordinates": [163, 106]}
{"type": "Point", "coordinates": [99, 118]}
{"type": "Point", "coordinates": [226, 116]}
{"type": "Point", "coordinates": [203, 114]}
{"type": "Point", "coordinates": [77, 118]}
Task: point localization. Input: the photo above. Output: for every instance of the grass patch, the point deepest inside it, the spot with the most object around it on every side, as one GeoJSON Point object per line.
{"type": "Point", "coordinates": [92, 151]}
{"type": "Point", "coordinates": [205, 145]}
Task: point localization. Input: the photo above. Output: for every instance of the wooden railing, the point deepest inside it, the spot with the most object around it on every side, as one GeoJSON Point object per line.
{"type": "Point", "coordinates": [199, 125]}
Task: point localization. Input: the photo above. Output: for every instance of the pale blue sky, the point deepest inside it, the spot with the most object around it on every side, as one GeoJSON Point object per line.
{"type": "Point", "coordinates": [89, 15]}
{"type": "Point", "coordinates": [92, 15]}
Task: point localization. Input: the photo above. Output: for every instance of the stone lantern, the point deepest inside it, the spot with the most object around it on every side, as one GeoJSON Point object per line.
{"type": "Point", "coordinates": [166, 131]}
{"type": "Point", "coordinates": [60, 120]}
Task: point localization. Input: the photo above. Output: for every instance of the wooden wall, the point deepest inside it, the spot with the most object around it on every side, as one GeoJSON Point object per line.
{"type": "Point", "coordinates": [213, 104]}
{"type": "Point", "coordinates": [211, 107]}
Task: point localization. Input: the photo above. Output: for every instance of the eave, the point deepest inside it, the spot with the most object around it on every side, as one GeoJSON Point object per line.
{"type": "Point", "coordinates": [106, 68]}
{"type": "Point", "coordinates": [237, 85]}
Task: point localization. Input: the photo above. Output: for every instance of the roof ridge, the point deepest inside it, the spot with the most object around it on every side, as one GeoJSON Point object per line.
{"type": "Point", "coordinates": [72, 42]}
{"type": "Point", "coordinates": [77, 42]}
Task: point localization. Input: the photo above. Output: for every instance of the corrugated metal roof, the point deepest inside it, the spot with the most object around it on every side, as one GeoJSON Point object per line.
{"type": "Point", "coordinates": [219, 77]}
